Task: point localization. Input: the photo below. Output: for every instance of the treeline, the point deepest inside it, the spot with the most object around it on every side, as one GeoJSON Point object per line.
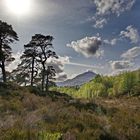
{"type": "Point", "coordinates": [127, 83]}
{"type": "Point", "coordinates": [33, 66]}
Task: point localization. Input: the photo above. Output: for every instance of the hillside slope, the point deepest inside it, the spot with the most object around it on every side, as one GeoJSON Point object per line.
{"type": "Point", "coordinates": [78, 80]}
{"type": "Point", "coordinates": [24, 115]}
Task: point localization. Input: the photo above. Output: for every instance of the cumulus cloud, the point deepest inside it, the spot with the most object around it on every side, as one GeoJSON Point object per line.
{"type": "Point", "coordinates": [100, 53]}
{"type": "Point", "coordinates": [131, 33]}
{"type": "Point", "coordinates": [58, 65]}
{"type": "Point", "coordinates": [88, 46]}
{"type": "Point", "coordinates": [119, 65]}
{"type": "Point", "coordinates": [127, 62]}
{"type": "Point", "coordinates": [61, 76]}
{"type": "Point", "coordinates": [131, 53]}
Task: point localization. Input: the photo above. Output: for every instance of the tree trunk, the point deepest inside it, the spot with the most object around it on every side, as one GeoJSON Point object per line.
{"type": "Point", "coordinates": [43, 76]}
{"type": "Point", "coordinates": [3, 71]}
{"type": "Point", "coordinates": [47, 82]}
{"type": "Point", "coordinates": [32, 72]}
{"type": "Point", "coordinates": [2, 62]}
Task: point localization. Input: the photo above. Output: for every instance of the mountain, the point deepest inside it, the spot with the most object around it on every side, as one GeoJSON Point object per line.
{"type": "Point", "coordinates": [78, 80]}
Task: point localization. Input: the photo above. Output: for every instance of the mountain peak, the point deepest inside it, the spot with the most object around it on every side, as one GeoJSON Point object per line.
{"type": "Point", "coordinates": [79, 79]}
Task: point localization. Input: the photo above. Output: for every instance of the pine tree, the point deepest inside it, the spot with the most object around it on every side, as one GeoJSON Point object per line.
{"type": "Point", "coordinates": [29, 57]}
{"type": "Point", "coordinates": [50, 74]}
{"type": "Point", "coordinates": [44, 46]}
{"type": "Point", "coordinates": [20, 76]}
{"type": "Point", "coordinates": [7, 36]}
{"type": "Point", "coordinates": [27, 70]}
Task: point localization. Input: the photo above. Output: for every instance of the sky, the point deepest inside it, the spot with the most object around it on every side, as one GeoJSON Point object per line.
{"type": "Point", "coordinates": [98, 35]}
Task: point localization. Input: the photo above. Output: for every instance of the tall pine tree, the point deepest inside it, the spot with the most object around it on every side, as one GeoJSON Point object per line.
{"type": "Point", "coordinates": [44, 51]}
{"type": "Point", "coordinates": [27, 70]}
{"type": "Point", "coordinates": [7, 36]}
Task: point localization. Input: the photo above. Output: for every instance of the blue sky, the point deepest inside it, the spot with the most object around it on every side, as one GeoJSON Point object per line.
{"type": "Point", "coordinates": [102, 36]}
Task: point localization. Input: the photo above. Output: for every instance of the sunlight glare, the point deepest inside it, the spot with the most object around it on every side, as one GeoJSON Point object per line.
{"type": "Point", "coordinates": [19, 7]}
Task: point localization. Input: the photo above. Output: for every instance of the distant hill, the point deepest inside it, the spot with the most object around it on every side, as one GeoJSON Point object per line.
{"type": "Point", "coordinates": [127, 83]}
{"type": "Point", "coordinates": [78, 80]}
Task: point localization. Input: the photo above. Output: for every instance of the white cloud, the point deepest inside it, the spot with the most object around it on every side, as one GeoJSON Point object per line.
{"type": "Point", "coordinates": [58, 65]}
{"type": "Point", "coordinates": [100, 53]}
{"type": "Point", "coordinates": [131, 53]}
{"type": "Point", "coordinates": [111, 42]}
{"type": "Point", "coordinates": [119, 65]}
{"type": "Point", "coordinates": [61, 76]}
{"type": "Point", "coordinates": [105, 7]}
{"type": "Point", "coordinates": [84, 65]}
{"type": "Point", "coordinates": [99, 23]}
{"type": "Point", "coordinates": [127, 62]}
{"type": "Point", "coordinates": [88, 46]}
{"type": "Point", "coordinates": [131, 33]}
{"type": "Point", "coordinates": [13, 65]}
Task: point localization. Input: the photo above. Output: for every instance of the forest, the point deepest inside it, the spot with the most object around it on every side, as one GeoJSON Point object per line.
{"type": "Point", "coordinates": [126, 83]}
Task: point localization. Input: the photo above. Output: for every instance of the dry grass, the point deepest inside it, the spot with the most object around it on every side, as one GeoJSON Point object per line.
{"type": "Point", "coordinates": [24, 115]}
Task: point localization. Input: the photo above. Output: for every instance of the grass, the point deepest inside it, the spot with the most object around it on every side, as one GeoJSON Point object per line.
{"type": "Point", "coordinates": [27, 116]}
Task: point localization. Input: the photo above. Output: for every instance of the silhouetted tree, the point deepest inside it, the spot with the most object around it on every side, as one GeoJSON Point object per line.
{"type": "Point", "coordinates": [50, 74]}
{"type": "Point", "coordinates": [27, 70]}
{"type": "Point", "coordinates": [7, 36]}
{"type": "Point", "coordinates": [29, 57]}
{"type": "Point", "coordinates": [44, 46]}
{"type": "Point", "coordinates": [20, 77]}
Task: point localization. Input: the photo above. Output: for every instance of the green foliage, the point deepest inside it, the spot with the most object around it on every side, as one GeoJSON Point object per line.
{"type": "Point", "coordinates": [16, 134]}
{"type": "Point", "coordinates": [49, 136]}
{"type": "Point", "coordinates": [91, 90]}
{"type": "Point", "coordinates": [127, 83]}
{"type": "Point", "coordinates": [68, 90]}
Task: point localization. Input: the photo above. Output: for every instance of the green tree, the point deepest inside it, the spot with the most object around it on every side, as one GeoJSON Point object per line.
{"type": "Point", "coordinates": [7, 36]}
{"type": "Point", "coordinates": [129, 82]}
